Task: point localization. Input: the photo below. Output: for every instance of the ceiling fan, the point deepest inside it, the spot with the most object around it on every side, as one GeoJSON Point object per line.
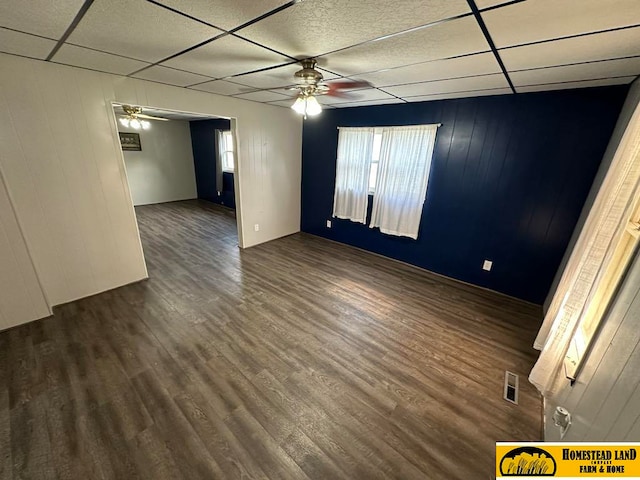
{"type": "Point", "coordinates": [135, 119]}
{"type": "Point", "coordinates": [309, 83]}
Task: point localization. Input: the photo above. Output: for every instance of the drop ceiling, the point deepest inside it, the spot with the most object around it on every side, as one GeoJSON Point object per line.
{"type": "Point", "coordinates": [171, 115]}
{"type": "Point", "coordinates": [409, 50]}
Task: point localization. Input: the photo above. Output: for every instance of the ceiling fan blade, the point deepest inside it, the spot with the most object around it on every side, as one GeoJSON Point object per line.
{"type": "Point", "coordinates": [336, 93]}
{"type": "Point", "coordinates": [349, 85]}
{"type": "Point", "coordinates": [149, 117]}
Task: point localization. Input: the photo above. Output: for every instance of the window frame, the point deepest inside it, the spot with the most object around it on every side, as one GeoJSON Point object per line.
{"type": "Point", "coordinates": [375, 158]}
{"type": "Point", "coordinates": [228, 151]}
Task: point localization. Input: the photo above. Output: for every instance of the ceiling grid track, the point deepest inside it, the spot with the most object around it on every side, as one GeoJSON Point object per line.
{"type": "Point", "coordinates": [81, 13]}
{"type": "Point", "coordinates": [487, 35]}
{"type": "Point", "coordinates": [566, 37]}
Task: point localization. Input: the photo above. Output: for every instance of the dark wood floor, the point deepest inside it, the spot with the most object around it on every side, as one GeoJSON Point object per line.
{"type": "Point", "coordinates": [296, 359]}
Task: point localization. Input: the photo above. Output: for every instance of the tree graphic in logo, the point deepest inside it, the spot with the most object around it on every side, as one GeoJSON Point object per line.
{"type": "Point", "coordinates": [531, 461]}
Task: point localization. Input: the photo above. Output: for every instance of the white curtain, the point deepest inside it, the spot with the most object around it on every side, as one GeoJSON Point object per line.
{"type": "Point", "coordinates": [403, 173]}
{"type": "Point", "coordinates": [352, 173]}
{"type": "Point", "coordinates": [589, 258]}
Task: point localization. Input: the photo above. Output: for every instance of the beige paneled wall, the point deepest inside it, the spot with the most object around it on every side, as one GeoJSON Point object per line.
{"type": "Point", "coordinates": [64, 169]}
{"type": "Point", "coordinates": [163, 171]}
{"type": "Point", "coordinates": [21, 297]}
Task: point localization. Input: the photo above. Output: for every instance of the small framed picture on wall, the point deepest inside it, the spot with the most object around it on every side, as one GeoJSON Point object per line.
{"type": "Point", "coordinates": [130, 141]}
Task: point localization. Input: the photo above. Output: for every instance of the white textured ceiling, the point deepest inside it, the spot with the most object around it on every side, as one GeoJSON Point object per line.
{"type": "Point", "coordinates": [409, 50]}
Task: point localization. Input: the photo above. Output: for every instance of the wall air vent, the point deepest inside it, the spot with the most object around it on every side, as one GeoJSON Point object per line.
{"type": "Point", "coordinates": [511, 381]}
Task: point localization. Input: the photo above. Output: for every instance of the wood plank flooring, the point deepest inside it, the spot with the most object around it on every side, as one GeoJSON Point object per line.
{"type": "Point", "coordinates": [296, 359]}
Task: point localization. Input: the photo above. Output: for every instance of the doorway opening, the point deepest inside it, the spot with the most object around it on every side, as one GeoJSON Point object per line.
{"type": "Point", "coordinates": [181, 170]}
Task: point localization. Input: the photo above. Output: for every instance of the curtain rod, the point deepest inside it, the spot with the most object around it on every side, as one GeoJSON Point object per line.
{"type": "Point", "coordinates": [392, 126]}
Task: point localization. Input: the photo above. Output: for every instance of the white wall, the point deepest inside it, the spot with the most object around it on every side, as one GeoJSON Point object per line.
{"type": "Point", "coordinates": [63, 167]}
{"type": "Point", "coordinates": [163, 170]}
{"type": "Point", "coordinates": [21, 297]}
{"type": "Point", "coordinates": [605, 399]}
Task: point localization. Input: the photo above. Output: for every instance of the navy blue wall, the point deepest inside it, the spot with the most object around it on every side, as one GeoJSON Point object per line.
{"type": "Point", "coordinates": [509, 177]}
{"type": "Point", "coordinates": [204, 158]}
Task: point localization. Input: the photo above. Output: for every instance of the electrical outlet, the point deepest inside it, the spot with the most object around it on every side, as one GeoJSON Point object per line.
{"type": "Point", "coordinates": [487, 265]}
{"type": "Point", "coordinates": [256, 227]}
{"type": "Point", "coordinates": [328, 223]}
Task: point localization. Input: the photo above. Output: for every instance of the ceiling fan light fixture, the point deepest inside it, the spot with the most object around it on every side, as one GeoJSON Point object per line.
{"type": "Point", "coordinates": [307, 105]}
{"type": "Point", "coordinates": [313, 106]}
{"type": "Point", "coordinates": [135, 124]}
{"type": "Point", "coordinates": [145, 125]}
{"type": "Point", "coordinates": [300, 105]}
{"type": "Point", "coordinates": [124, 121]}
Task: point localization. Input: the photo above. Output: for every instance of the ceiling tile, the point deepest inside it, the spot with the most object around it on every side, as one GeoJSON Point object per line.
{"type": "Point", "coordinates": [368, 94]}
{"type": "Point", "coordinates": [482, 4]}
{"type": "Point", "coordinates": [287, 104]}
{"type": "Point", "coordinates": [274, 78]}
{"type": "Point", "coordinates": [545, 19]}
{"type": "Point", "coordinates": [444, 96]}
{"type": "Point", "coordinates": [104, 62]}
{"type": "Point", "coordinates": [480, 64]}
{"type": "Point", "coordinates": [387, 101]}
{"type": "Point", "coordinates": [570, 85]}
{"type": "Point", "coordinates": [601, 46]}
{"type": "Point", "coordinates": [226, 56]}
{"type": "Point", "coordinates": [263, 96]}
{"type": "Point", "coordinates": [25, 44]}
{"type": "Point", "coordinates": [222, 87]}
{"type": "Point", "coordinates": [311, 28]}
{"type": "Point", "coordinates": [449, 86]}
{"type": "Point", "coordinates": [583, 71]}
{"type": "Point", "coordinates": [41, 17]}
{"type": "Point", "coordinates": [138, 29]}
{"type": "Point", "coordinates": [283, 103]}
{"type": "Point", "coordinates": [170, 76]}
{"type": "Point", "coordinates": [223, 13]}
{"type": "Point", "coordinates": [449, 39]}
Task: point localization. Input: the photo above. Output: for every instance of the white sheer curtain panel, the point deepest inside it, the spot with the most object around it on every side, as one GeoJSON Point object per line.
{"type": "Point", "coordinates": [403, 173]}
{"type": "Point", "coordinates": [352, 173]}
{"type": "Point", "coordinates": [589, 259]}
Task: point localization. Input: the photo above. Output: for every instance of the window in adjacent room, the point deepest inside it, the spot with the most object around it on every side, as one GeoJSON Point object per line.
{"type": "Point", "coordinates": [226, 152]}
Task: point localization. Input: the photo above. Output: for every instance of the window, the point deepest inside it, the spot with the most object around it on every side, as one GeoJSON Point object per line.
{"type": "Point", "coordinates": [375, 159]}
{"type": "Point", "coordinates": [393, 164]}
{"type": "Point", "coordinates": [401, 179]}
{"type": "Point", "coordinates": [353, 173]}
{"type": "Point", "coordinates": [227, 152]}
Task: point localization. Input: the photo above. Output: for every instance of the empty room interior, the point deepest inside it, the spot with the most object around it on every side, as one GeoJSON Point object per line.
{"type": "Point", "coordinates": [315, 239]}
